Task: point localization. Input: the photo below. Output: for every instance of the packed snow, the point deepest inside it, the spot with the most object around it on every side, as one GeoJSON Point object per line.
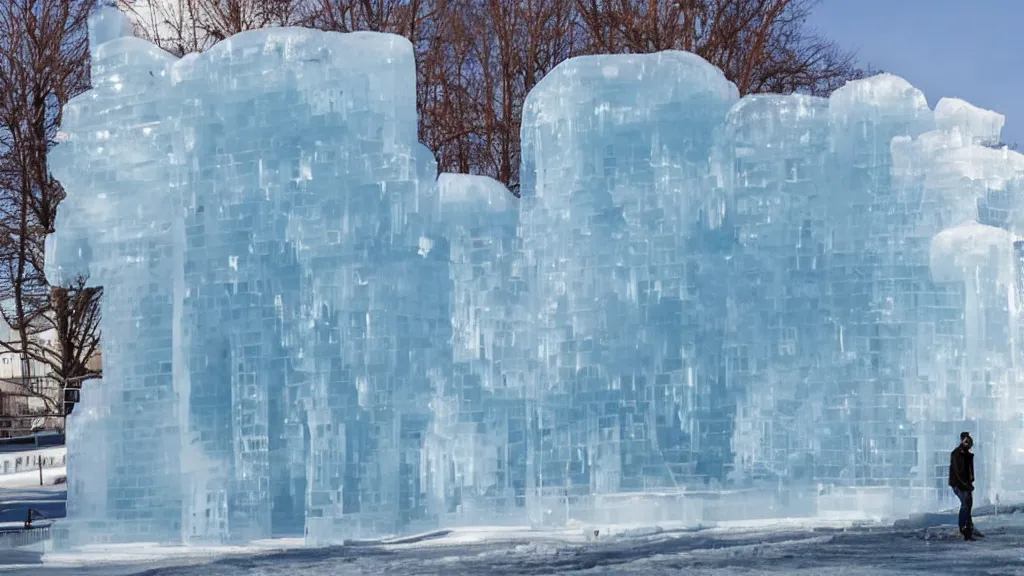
{"type": "Point", "coordinates": [781, 547]}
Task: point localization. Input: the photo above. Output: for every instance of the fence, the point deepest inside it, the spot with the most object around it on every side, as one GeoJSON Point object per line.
{"type": "Point", "coordinates": [32, 460]}
{"type": "Point", "coordinates": [39, 539]}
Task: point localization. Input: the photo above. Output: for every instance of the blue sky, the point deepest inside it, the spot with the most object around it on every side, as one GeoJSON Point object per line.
{"type": "Point", "coordinates": [968, 49]}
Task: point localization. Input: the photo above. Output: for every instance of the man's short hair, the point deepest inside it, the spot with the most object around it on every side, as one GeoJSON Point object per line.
{"type": "Point", "coordinates": [964, 436]}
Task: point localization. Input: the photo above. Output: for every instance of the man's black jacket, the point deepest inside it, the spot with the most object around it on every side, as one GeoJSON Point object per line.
{"type": "Point", "coordinates": [961, 469]}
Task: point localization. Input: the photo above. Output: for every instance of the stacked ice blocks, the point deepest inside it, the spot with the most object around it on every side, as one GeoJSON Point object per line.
{"type": "Point", "coordinates": [279, 306]}
{"type": "Point", "coordinates": [306, 329]}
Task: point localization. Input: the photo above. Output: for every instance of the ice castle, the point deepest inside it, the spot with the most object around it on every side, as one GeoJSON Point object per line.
{"type": "Point", "coordinates": [702, 307]}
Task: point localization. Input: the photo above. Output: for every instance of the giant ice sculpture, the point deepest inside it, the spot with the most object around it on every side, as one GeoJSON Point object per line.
{"type": "Point", "coordinates": [776, 291]}
{"type": "Point", "coordinates": [307, 330]}
{"type": "Point", "coordinates": [279, 313]}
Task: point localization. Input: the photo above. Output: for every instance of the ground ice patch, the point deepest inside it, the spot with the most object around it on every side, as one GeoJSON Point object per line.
{"type": "Point", "coordinates": [308, 330]}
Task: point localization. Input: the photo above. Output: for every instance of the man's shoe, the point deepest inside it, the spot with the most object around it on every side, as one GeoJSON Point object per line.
{"type": "Point", "coordinates": [975, 533]}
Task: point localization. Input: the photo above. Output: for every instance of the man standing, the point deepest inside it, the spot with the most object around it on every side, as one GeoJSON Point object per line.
{"type": "Point", "coordinates": [961, 480]}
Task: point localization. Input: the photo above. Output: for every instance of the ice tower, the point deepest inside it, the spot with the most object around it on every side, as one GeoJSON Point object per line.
{"type": "Point", "coordinates": [480, 418]}
{"type": "Point", "coordinates": [264, 221]}
{"type": "Point", "coordinates": [375, 287]}
{"type": "Point", "coordinates": [771, 160]}
{"type": "Point", "coordinates": [118, 226]}
{"type": "Point", "coordinates": [241, 286]}
{"type": "Point", "coordinates": [624, 357]}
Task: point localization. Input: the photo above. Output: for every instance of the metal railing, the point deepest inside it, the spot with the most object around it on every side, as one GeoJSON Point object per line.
{"type": "Point", "coordinates": [22, 538]}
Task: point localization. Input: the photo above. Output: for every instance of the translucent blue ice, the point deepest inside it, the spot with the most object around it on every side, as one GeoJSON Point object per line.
{"type": "Point", "coordinates": [704, 307]}
{"type": "Point", "coordinates": [119, 226]}
{"type": "Point", "coordinates": [776, 292]}
{"type": "Point", "coordinates": [265, 242]}
{"type": "Point", "coordinates": [480, 418]}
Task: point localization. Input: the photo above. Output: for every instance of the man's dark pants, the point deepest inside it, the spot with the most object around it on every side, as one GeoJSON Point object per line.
{"type": "Point", "coordinates": [966, 503]}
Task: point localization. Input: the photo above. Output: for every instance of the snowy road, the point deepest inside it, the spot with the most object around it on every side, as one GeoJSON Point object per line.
{"type": "Point", "coordinates": [828, 551]}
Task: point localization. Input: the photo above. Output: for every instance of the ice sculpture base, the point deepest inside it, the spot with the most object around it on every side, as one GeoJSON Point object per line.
{"type": "Point", "coordinates": [693, 509]}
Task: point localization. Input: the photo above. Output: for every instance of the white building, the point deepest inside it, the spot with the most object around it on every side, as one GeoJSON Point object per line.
{"type": "Point", "coordinates": [27, 393]}
{"type": "Point", "coordinates": [11, 365]}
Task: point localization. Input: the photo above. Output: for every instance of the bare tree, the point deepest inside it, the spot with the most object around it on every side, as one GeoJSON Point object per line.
{"type": "Point", "coordinates": [72, 350]}
{"type": "Point", "coordinates": [403, 17]}
{"type": "Point", "coordinates": [442, 56]}
{"type": "Point", "coordinates": [75, 324]}
{"type": "Point", "coordinates": [445, 98]}
{"type": "Point", "coordinates": [185, 26]}
{"type": "Point", "coordinates": [761, 45]}
{"type": "Point", "coordinates": [171, 24]}
{"type": "Point", "coordinates": [43, 64]}
{"type": "Point", "coordinates": [540, 35]}
{"type": "Point", "coordinates": [478, 59]}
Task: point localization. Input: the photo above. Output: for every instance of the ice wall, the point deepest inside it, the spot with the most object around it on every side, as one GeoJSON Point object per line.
{"type": "Point", "coordinates": [118, 226]}
{"type": "Point", "coordinates": [278, 321]}
{"type": "Point", "coordinates": [615, 171]}
{"type": "Point", "coordinates": [775, 291]}
{"type": "Point", "coordinates": [307, 330]}
{"type": "Point", "coordinates": [770, 163]}
{"type": "Point", "coordinates": [480, 416]}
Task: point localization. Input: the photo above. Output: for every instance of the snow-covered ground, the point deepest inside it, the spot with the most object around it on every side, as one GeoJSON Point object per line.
{"type": "Point", "coordinates": [800, 546]}
{"type": "Point", "coordinates": [787, 547]}
{"type": "Point", "coordinates": [46, 501]}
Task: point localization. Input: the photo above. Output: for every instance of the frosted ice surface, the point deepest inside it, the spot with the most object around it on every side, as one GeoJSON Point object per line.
{"type": "Point", "coordinates": [977, 125]}
{"type": "Point", "coordinates": [465, 197]}
{"type": "Point", "coordinates": [958, 253]}
{"type": "Point", "coordinates": [306, 329]}
{"type": "Point", "coordinates": [884, 97]}
{"type": "Point", "coordinates": [107, 25]}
